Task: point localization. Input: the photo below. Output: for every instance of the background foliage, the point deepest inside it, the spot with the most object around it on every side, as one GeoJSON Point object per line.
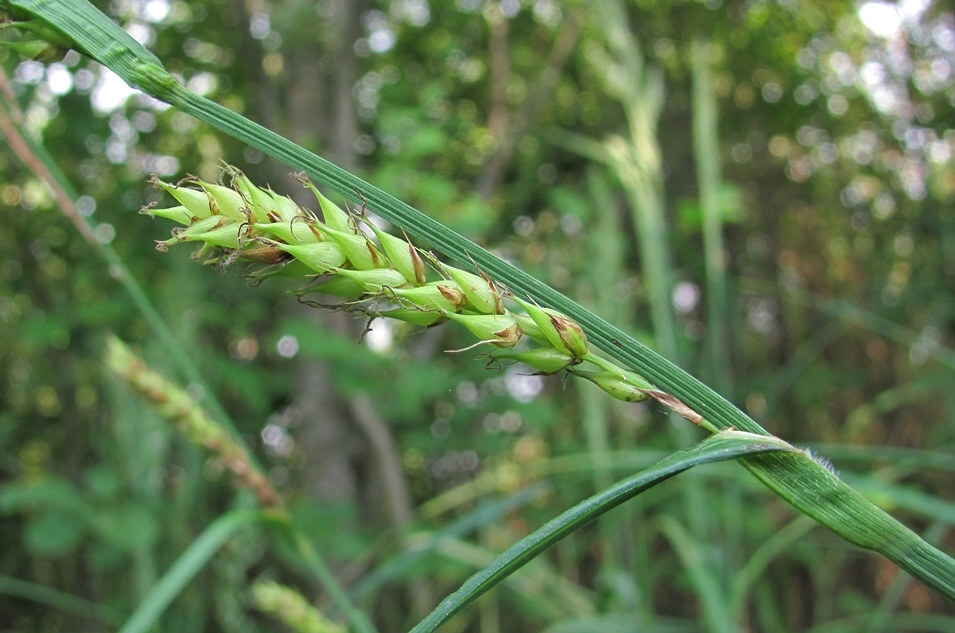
{"type": "Point", "coordinates": [500, 119]}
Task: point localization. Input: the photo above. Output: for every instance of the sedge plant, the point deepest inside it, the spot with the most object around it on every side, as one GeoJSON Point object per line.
{"type": "Point", "coordinates": [503, 306]}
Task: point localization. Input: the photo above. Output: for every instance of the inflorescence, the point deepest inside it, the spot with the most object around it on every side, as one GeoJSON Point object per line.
{"type": "Point", "coordinates": [377, 274]}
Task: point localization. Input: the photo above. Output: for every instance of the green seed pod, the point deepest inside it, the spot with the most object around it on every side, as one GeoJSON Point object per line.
{"type": "Point", "coordinates": [421, 318]}
{"type": "Point", "coordinates": [621, 384]}
{"type": "Point", "coordinates": [37, 50]}
{"type": "Point", "coordinates": [571, 334]}
{"type": "Point", "coordinates": [321, 257]}
{"type": "Point", "coordinates": [334, 215]}
{"type": "Point", "coordinates": [500, 330]}
{"type": "Point", "coordinates": [529, 327]}
{"type": "Point", "coordinates": [229, 235]}
{"type": "Point", "coordinates": [285, 208]}
{"type": "Point", "coordinates": [546, 360]}
{"type": "Point", "coordinates": [403, 256]}
{"type": "Point", "coordinates": [201, 227]}
{"type": "Point", "coordinates": [559, 331]}
{"type": "Point", "coordinates": [357, 248]}
{"type": "Point", "coordinates": [437, 295]}
{"type": "Point", "coordinates": [293, 269]}
{"type": "Point", "coordinates": [480, 291]}
{"type": "Point", "coordinates": [197, 202]}
{"type": "Point", "coordinates": [375, 280]}
{"type": "Point", "coordinates": [178, 214]}
{"type": "Point", "coordinates": [261, 252]}
{"type": "Point", "coordinates": [258, 201]}
{"type": "Point", "coordinates": [225, 201]}
{"type": "Point", "coordinates": [291, 232]}
{"type": "Point", "coordinates": [337, 286]}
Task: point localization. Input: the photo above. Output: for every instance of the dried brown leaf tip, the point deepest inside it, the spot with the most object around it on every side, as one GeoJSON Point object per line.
{"type": "Point", "coordinates": [676, 405]}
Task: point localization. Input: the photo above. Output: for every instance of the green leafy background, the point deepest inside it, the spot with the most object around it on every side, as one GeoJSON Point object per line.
{"type": "Point", "coordinates": [835, 203]}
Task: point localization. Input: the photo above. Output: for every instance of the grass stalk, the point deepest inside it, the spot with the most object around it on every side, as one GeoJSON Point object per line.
{"type": "Point", "coordinates": [600, 280]}
{"type": "Point", "coordinates": [706, 154]}
{"type": "Point", "coordinates": [638, 164]}
{"type": "Point", "coordinates": [719, 341]}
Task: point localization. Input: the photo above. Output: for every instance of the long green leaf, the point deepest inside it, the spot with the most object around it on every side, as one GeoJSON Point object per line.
{"type": "Point", "coordinates": [806, 484]}
{"type": "Point", "coordinates": [56, 599]}
{"type": "Point", "coordinates": [186, 567]}
{"type": "Point", "coordinates": [719, 447]}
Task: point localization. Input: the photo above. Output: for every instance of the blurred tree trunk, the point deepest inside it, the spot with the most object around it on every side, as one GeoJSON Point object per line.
{"type": "Point", "coordinates": [351, 453]}
{"type": "Point", "coordinates": [319, 70]}
{"type": "Point", "coordinates": [310, 101]}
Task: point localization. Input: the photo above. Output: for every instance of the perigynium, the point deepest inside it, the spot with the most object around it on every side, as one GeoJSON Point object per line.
{"type": "Point", "coordinates": [342, 254]}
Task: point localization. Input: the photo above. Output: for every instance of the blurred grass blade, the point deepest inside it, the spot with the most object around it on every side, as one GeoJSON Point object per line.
{"type": "Point", "coordinates": [706, 160]}
{"type": "Point", "coordinates": [313, 562]}
{"type": "Point", "coordinates": [719, 447]}
{"type": "Point", "coordinates": [781, 540]}
{"type": "Point", "coordinates": [419, 546]}
{"type": "Point", "coordinates": [186, 567]}
{"type": "Point", "coordinates": [810, 487]}
{"type": "Point", "coordinates": [713, 604]}
{"type": "Point", "coordinates": [59, 600]}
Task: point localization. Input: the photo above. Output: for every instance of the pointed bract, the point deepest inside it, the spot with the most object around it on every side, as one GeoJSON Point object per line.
{"type": "Point", "coordinates": [334, 216]}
